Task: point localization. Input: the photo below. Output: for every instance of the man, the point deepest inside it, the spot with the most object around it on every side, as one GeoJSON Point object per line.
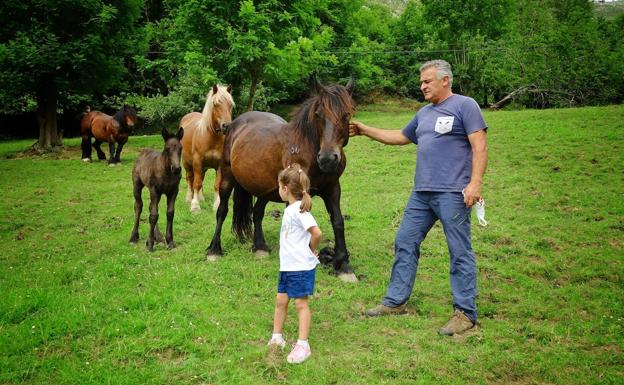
{"type": "Point", "coordinates": [451, 159]}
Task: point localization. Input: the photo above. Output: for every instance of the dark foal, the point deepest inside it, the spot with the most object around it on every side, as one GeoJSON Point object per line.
{"type": "Point", "coordinates": [161, 173]}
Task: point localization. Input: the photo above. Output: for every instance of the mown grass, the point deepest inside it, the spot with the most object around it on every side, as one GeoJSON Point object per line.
{"type": "Point", "coordinates": [80, 305]}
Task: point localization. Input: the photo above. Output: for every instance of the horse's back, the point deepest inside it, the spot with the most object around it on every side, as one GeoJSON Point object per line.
{"type": "Point", "coordinates": [99, 124]}
{"type": "Point", "coordinates": [189, 123]}
{"type": "Point", "coordinates": [87, 121]}
{"type": "Point", "coordinates": [256, 148]}
{"type": "Point", "coordinates": [256, 119]}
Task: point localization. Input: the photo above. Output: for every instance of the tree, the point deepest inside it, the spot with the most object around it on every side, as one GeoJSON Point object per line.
{"type": "Point", "coordinates": [54, 49]}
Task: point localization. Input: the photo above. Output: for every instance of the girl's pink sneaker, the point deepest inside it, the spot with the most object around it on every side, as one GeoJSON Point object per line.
{"type": "Point", "coordinates": [299, 354]}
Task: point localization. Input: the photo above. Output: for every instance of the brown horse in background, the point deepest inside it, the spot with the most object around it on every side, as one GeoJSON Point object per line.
{"type": "Point", "coordinates": [202, 144]}
{"type": "Point", "coordinates": [106, 128]}
{"type": "Point", "coordinates": [260, 144]}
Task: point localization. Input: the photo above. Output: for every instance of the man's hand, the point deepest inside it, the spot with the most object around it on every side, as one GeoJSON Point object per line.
{"type": "Point", "coordinates": [355, 128]}
{"type": "Point", "coordinates": [472, 193]}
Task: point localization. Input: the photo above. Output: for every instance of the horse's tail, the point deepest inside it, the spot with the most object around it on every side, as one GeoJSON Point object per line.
{"type": "Point", "coordinates": [243, 210]}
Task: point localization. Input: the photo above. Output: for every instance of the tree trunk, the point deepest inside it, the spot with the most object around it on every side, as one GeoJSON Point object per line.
{"type": "Point", "coordinates": [252, 90]}
{"type": "Point", "coordinates": [49, 136]}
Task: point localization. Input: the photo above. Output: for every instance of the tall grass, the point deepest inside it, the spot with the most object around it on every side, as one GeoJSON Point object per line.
{"type": "Point", "coordinates": [80, 305]}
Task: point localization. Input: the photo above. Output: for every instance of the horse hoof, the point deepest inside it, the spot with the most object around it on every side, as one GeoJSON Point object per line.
{"type": "Point", "coordinates": [111, 165]}
{"type": "Point", "coordinates": [348, 277]}
{"type": "Point", "coordinates": [195, 208]}
{"type": "Point", "coordinates": [261, 253]}
{"type": "Point", "coordinates": [86, 160]}
{"type": "Point", "coordinates": [212, 257]}
{"type": "Point", "coordinates": [171, 245]}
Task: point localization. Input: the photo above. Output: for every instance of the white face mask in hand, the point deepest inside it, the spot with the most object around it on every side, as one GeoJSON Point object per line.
{"type": "Point", "coordinates": [480, 209]}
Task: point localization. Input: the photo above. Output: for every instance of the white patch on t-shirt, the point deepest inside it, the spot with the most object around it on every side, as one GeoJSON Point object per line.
{"type": "Point", "coordinates": [444, 124]}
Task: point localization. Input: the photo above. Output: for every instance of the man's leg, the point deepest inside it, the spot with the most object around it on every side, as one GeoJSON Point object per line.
{"type": "Point", "coordinates": [418, 219]}
{"type": "Point", "coordinates": [455, 218]}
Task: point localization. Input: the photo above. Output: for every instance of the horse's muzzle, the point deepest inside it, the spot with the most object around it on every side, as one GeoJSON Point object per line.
{"type": "Point", "coordinates": [328, 161]}
{"type": "Point", "coordinates": [223, 127]}
{"type": "Point", "coordinates": [176, 170]}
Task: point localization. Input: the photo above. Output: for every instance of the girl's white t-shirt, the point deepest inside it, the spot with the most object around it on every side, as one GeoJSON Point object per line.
{"type": "Point", "coordinates": [295, 253]}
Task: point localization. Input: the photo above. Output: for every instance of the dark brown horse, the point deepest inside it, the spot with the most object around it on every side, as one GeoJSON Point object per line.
{"type": "Point", "coordinates": [106, 128]}
{"type": "Point", "coordinates": [260, 144]}
{"type": "Point", "coordinates": [161, 173]}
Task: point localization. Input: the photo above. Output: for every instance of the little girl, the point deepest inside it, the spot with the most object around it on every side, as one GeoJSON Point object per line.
{"type": "Point", "coordinates": [299, 239]}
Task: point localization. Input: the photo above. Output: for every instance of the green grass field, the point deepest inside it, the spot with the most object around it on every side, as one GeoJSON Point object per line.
{"type": "Point", "coordinates": [80, 305]}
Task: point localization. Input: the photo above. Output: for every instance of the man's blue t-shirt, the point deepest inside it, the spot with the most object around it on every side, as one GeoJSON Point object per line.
{"type": "Point", "coordinates": [444, 156]}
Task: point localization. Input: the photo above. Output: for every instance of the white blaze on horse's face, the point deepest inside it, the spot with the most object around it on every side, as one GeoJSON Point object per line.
{"type": "Point", "coordinates": [221, 108]}
{"type": "Point", "coordinates": [129, 122]}
{"type": "Point", "coordinates": [222, 116]}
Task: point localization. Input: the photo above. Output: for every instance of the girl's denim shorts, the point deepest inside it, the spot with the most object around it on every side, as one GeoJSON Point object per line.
{"type": "Point", "coordinates": [296, 284]}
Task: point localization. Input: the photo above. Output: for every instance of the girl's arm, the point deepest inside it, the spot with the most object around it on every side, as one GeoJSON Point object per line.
{"type": "Point", "coordinates": [316, 238]}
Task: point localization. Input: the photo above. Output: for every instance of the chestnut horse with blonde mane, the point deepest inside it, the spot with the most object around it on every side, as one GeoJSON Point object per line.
{"type": "Point", "coordinates": [202, 144]}
{"type": "Point", "coordinates": [260, 144]}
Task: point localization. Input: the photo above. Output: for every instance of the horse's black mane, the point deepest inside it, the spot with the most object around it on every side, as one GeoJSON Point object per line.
{"type": "Point", "coordinates": [334, 100]}
{"type": "Point", "coordinates": [121, 114]}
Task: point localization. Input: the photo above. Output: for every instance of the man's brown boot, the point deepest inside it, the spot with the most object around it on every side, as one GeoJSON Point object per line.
{"type": "Point", "coordinates": [385, 310]}
{"type": "Point", "coordinates": [458, 324]}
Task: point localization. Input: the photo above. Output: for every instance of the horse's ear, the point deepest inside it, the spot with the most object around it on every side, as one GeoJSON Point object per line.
{"type": "Point", "coordinates": [215, 89]}
{"type": "Point", "coordinates": [229, 88]}
{"type": "Point", "coordinates": [318, 87]}
{"type": "Point", "coordinates": [165, 134]}
{"type": "Point", "coordinates": [180, 133]}
{"type": "Point", "coordinates": [350, 85]}
{"type": "Point", "coordinates": [315, 83]}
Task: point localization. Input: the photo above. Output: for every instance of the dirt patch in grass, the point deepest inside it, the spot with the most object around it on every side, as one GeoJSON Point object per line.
{"type": "Point", "coordinates": [169, 354]}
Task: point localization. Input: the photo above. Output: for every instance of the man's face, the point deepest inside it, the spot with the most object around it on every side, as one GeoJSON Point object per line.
{"type": "Point", "coordinates": [433, 89]}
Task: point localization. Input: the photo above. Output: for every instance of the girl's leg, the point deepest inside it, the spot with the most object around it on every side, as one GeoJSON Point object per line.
{"type": "Point", "coordinates": [281, 307]}
{"type": "Point", "coordinates": [305, 317]}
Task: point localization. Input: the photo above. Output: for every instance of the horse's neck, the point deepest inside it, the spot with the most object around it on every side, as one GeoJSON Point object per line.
{"type": "Point", "coordinates": [297, 150]}
{"type": "Point", "coordinates": [119, 118]}
{"type": "Point", "coordinates": [204, 127]}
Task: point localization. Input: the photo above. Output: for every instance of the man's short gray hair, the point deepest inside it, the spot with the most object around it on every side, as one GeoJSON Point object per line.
{"type": "Point", "coordinates": [443, 67]}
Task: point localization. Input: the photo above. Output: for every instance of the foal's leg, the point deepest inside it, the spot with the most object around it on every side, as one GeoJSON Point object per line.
{"type": "Point", "coordinates": [153, 217]}
{"type": "Point", "coordinates": [111, 148]}
{"type": "Point", "coordinates": [260, 247]}
{"type": "Point", "coordinates": [96, 144]}
{"type": "Point", "coordinates": [138, 207]}
{"type": "Point", "coordinates": [171, 197]}
{"type": "Point", "coordinates": [198, 180]}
